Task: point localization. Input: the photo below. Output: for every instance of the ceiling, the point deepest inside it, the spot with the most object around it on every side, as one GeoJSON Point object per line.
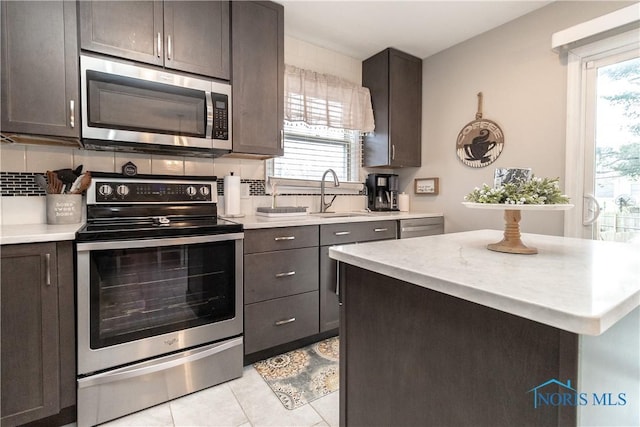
{"type": "Point", "coordinates": [422, 28]}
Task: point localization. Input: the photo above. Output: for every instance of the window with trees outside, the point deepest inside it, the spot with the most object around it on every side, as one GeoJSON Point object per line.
{"type": "Point", "coordinates": [617, 147]}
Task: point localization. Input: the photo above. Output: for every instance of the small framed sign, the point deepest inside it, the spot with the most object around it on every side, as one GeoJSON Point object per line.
{"type": "Point", "coordinates": [426, 186]}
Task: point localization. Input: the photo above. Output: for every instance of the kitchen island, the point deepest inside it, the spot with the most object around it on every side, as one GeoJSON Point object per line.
{"type": "Point", "coordinates": [440, 331]}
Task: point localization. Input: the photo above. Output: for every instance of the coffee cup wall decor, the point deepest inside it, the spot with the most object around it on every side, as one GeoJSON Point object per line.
{"type": "Point", "coordinates": [480, 142]}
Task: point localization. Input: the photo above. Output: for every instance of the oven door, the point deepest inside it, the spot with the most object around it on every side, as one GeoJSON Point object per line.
{"type": "Point", "coordinates": [143, 298]}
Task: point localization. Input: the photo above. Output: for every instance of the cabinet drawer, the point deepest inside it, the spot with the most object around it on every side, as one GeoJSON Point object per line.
{"type": "Point", "coordinates": [279, 321]}
{"type": "Point", "coordinates": [275, 239]}
{"type": "Point", "coordinates": [421, 227]}
{"type": "Point", "coordinates": [335, 234]}
{"type": "Point", "coordinates": [269, 275]}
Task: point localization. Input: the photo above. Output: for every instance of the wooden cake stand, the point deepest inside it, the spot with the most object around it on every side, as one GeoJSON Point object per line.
{"type": "Point", "coordinates": [511, 242]}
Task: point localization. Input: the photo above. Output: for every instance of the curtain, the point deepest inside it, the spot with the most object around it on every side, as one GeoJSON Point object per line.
{"type": "Point", "coordinates": [325, 100]}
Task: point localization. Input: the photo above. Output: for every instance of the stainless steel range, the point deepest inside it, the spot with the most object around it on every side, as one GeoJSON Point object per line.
{"type": "Point", "coordinates": [159, 294]}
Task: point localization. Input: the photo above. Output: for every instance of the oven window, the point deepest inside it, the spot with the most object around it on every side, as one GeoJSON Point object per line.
{"type": "Point", "coordinates": [139, 293]}
{"type": "Point", "coordinates": [116, 102]}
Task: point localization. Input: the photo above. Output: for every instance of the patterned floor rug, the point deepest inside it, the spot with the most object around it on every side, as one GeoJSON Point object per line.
{"type": "Point", "coordinates": [301, 376]}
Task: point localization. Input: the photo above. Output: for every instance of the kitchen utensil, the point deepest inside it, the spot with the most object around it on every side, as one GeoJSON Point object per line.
{"type": "Point", "coordinates": [41, 181]}
{"type": "Point", "coordinates": [50, 183]}
{"type": "Point", "coordinates": [68, 176]}
{"type": "Point", "coordinates": [55, 184]}
{"type": "Point", "coordinates": [85, 182]}
{"type": "Point", "coordinates": [76, 184]}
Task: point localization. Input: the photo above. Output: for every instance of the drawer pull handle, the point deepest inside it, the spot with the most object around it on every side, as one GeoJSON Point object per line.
{"type": "Point", "coordinates": [342, 233]}
{"type": "Point", "coordinates": [47, 266]}
{"type": "Point", "coordinates": [284, 322]}
{"type": "Point", "coordinates": [288, 273]}
{"type": "Point", "coordinates": [72, 113]}
{"type": "Point", "coordinates": [277, 239]}
{"type": "Point", "coordinates": [379, 230]}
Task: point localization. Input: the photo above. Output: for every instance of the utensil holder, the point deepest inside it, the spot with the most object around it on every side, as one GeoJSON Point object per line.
{"type": "Point", "coordinates": [64, 208]}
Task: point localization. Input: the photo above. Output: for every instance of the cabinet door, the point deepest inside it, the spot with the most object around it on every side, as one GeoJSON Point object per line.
{"type": "Point", "coordinates": [395, 81]}
{"type": "Point", "coordinates": [30, 357]}
{"type": "Point", "coordinates": [128, 29]}
{"type": "Point", "coordinates": [405, 109]}
{"type": "Point", "coordinates": [40, 68]}
{"type": "Point", "coordinates": [197, 37]}
{"type": "Point", "coordinates": [375, 76]}
{"type": "Point", "coordinates": [257, 46]}
{"type": "Point", "coordinates": [329, 304]}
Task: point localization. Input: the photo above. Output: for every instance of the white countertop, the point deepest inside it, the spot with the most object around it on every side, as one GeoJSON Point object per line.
{"type": "Point", "coordinates": [32, 233]}
{"type": "Point", "coordinates": [253, 222]}
{"type": "Point", "coordinates": [581, 286]}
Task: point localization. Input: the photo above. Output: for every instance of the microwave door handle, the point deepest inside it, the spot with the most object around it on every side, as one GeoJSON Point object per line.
{"type": "Point", "coordinates": [209, 112]}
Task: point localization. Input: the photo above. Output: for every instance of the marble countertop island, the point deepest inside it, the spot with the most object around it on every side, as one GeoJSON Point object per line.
{"type": "Point", "coordinates": [477, 337]}
{"type": "Point", "coordinates": [580, 286]}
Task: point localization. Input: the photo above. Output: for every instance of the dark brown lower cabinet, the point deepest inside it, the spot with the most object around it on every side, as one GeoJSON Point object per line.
{"type": "Point", "coordinates": [38, 332]}
{"type": "Point", "coordinates": [410, 356]}
{"type": "Point", "coordinates": [341, 234]}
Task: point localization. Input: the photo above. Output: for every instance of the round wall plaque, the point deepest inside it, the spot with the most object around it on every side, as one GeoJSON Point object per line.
{"type": "Point", "coordinates": [480, 142]}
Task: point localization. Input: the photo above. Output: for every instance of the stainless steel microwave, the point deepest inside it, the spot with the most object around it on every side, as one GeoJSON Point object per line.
{"type": "Point", "coordinates": [129, 107]}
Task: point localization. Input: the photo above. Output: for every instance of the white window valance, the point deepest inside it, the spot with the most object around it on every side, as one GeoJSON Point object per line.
{"type": "Point", "coordinates": [325, 100]}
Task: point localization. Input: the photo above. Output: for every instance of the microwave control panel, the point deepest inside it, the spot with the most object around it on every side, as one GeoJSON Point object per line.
{"type": "Point", "coordinates": [220, 116]}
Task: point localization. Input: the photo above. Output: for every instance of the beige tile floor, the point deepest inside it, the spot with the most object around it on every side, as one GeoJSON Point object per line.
{"type": "Point", "coordinates": [245, 402]}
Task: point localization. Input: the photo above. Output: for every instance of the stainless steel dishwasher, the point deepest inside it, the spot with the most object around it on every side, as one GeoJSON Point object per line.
{"type": "Point", "coordinates": [419, 227]}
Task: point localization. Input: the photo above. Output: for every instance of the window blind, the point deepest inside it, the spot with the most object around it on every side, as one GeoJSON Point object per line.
{"type": "Point", "coordinates": [310, 150]}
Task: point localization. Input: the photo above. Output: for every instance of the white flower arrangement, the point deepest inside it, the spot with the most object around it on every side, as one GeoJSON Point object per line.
{"type": "Point", "coordinates": [536, 191]}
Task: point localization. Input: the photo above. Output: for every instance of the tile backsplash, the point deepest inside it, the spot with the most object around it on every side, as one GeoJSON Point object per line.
{"type": "Point", "coordinates": [14, 184]}
{"type": "Point", "coordinates": [38, 159]}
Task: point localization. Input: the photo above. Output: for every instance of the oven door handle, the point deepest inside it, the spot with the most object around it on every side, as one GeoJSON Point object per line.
{"type": "Point", "coordinates": [155, 366]}
{"type": "Point", "coordinates": [150, 243]}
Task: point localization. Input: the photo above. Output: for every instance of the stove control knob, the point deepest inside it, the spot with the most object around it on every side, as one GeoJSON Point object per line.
{"type": "Point", "coordinates": [122, 190]}
{"type": "Point", "coordinates": [204, 190]}
{"type": "Point", "coordinates": [105, 190]}
{"type": "Point", "coordinates": [191, 190]}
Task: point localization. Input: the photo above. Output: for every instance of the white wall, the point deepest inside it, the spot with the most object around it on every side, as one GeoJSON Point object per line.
{"type": "Point", "coordinates": [524, 87]}
{"type": "Point", "coordinates": [311, 57]}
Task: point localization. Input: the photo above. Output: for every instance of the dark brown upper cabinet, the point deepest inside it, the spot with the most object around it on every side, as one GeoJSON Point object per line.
{"type": "Point", "coordinates": [190, 36]}
{"type": "Point", "coordinates": [395, 81]}
{"type": "Point", "coordinates": [257, 34]}
{"type": "Point", "coordinates": [40, 68]}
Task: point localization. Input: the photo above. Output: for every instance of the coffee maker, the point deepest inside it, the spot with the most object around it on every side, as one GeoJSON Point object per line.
{"type": "Point", "coordinates": [382, 192]}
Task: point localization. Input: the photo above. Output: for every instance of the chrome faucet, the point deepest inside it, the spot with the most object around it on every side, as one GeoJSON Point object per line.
{"type": "Point", "coordinates": [324, 206]}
